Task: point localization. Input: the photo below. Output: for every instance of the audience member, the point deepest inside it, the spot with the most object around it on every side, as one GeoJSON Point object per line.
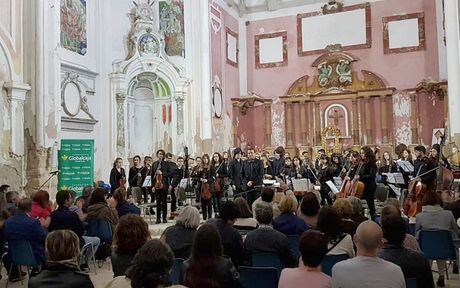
{"type": "Point", "coordinates": [434, 217]}
{"type": "Point", "coordinates": [41, 208]}
{"type": "Point", "coordinates": [99, 208]}
{"type": "Point", "coordinates": [288, 223]}
{"type": "Point", "coordinates": [413, 264]}
{"type": "Point", "coordinates": [309, 208]}
{"type": "Point", "coordinates": [207, 267]}
{"type": "Point", "coordinates": [330, 224]}
{"type": "Point", "coordinates": [267, 196]}
{"type": "Point", "coordinates": [12, 199]}
{"type": "Point", "coordinates": [358, 212]}
{"type": "Point", "coordinates": [151, 267]}
{"type": "Point", "coordinates": [245, 222]}
{"type": "Point", "coordinates": [232, 241]}
{"type": "Point", "coordinates": [180, 236]}
{"type": "Point", "coordinates": [131, 233]}
{"type": "Point", "coordinates": [267, 239]}
{"type": "Point", "coordinates": [123, 206]}
{"type": "Point", "coordinates": [23, 227]}
{"type": "Point", "coordinates": [344, 208]}
{"type": "Point", "coordinates": [86, 197]}
{"type": "Point", "coordinates": [77, 206]}
{"type": "Point", "coordinates": [367, 270]}
{"type": "Point", "coordinates": [313, 248]}
{"type": "Point", "coordinates": [4, 188]}
{"type": "Point", "coordinates": [410, 242]}
{"type": "Point", "coordinates": [4, 215]}
{"type": "Point", "coordinates": [61, 269]}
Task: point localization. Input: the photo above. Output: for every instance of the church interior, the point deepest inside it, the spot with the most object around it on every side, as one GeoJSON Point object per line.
{"type": "Point", "coordinates": [84, 83]}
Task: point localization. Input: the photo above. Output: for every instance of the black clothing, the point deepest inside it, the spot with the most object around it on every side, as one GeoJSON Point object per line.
{"type": "Point", "coordinates": [147, 190]}
{"type": "Point", "coordinates": [422, 166]}
{"type": "Point", "coordinates": [135, 176]}
{"type": "Point", "coordinates": [63, 218]}
{"type": "Point", "coordinates": [235, 173]}
{"type": "Point", "coordinates": [115, 178]}
{"type": "Point", "coordinates": [231, 241]}
{"type": "Point", "coordinates": [121, 263]}
{"type": "Point", "coordinates": [224, 273]}
{"type": "Point", "coordinates": [166, 169]}
{"type": "Point", "coordinates": [367, 176]}
{"type": "Point", "coordinates": [180, 239]}
{"type": "Point", "coordinates": [60, 276]}
{"type": "Point", "coordinates": [325, 174]}
{"type": "Point", "coordinates": [277, 166]}
{"type": "Point", "coordinates": [253, 170]}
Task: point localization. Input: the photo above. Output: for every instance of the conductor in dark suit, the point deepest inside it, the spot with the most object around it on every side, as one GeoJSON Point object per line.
{"type": "Point", "coordinates": [253, 175]}
{"type": "Point", "coordinates": [161, 169]}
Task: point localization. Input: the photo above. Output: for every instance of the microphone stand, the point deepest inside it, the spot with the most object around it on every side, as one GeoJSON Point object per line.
{"type": "Point", "coordinates": [48, 180]}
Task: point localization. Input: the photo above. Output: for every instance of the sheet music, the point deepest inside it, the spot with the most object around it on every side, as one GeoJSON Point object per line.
{"type": "Point", "coordinates": [332, 186]}
{"type": "Point", "coordinates": [406, 166]}
{"type": "Point", "coordinates": [269, 182]}
{"type": "Point", "coordinates": [147, 181]}
{"type": "Point", "coordinates": [395, 189]}
{"type": "Point", "coordinates": [301, 185]}
{"type": "Point", "coordinates": [338, 181]}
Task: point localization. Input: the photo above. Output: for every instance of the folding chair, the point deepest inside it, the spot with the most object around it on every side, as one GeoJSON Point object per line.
{"type": "Point", "coordinates": [267, 259]}
{"type": "Point", "coordinates": [176, 270]}
{"type": "Point", "coordinates": [437, 245]}
{"type": "Point", "coordinates": [21, 255]}
{"type": "Point", "coordinates": [294, 244]}
{"type": "Point", "coordinates": [330, 260]}
{"type": "Point", "coordinates": [87, 252]}
{"type": "Point", "coordinates": [102, 229]}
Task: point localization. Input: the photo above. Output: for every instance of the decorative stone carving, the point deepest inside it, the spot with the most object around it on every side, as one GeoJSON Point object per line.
{"type": "Point", "coordinates": [71, 79]}
{"type": "Point", "coordinates": [180, 115]}
{"type": "Point", "coordinates": [120, 119]}
{"type": "Point", "coordinates": [144, 11]}
{"type": "Point", "coordinates": [332, 7]}
{"type": "Point", "coordinates": [149, 45]}
{"type": "Point", "coordinates": [335, 71]}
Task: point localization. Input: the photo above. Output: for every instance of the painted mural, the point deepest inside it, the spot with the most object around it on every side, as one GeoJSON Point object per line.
{"type": "Point", "coordinates": [73, 26]}
{"type": "Point", "coordinates": [172, 25]}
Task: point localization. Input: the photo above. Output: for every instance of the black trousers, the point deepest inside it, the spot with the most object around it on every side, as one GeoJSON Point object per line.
{"type": "Point", "coordinates": [216, 202]}
{"type": "Point", "coordinates": [369, 196]}
{"type": "Point", "coordinates": [173, 200]}
{"type": "Point", "coordinates": [148, 191]}
{"type": "Point", "coordinates": [162, 203]}
{"type": "Point", "coordinates": [206, 208]}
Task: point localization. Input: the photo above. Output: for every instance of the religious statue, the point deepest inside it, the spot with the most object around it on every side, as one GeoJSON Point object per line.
{"type": "Point", "coordinates": [343, 69]}
{"type": "Point", "coordinates": [148, 45]}
{"type": "Point", "coordinates": [324, 72]}
{"type": "Point", "coordinates": [336, 116]}
{"type": "Point", "coordinates": [144, 11]}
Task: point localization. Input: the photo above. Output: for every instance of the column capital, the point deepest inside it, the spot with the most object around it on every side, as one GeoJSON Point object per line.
{"type": "Point", "coordinates": [17, 90]}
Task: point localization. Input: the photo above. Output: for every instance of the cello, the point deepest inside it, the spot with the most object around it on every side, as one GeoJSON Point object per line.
{"type": "Point", "coordinates": [355, 187]}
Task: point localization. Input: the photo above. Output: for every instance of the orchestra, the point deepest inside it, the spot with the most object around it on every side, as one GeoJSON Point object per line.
{"type": "Point", "coordinates": [353, 172]}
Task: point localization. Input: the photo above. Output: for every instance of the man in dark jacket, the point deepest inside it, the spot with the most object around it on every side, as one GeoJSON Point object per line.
{"type": "Point", "coordinates": [235, 171]}
{"type": "Point", "coordinates": [424, 166]}
{"type": "Point", "coordinates": [253, 175]}
{"type": "Point", "coordinates": [413, 264]}
{"type": "Point", "coordinates": [265, 239]}
{"type": "Point", "coordinates": [163, 169]}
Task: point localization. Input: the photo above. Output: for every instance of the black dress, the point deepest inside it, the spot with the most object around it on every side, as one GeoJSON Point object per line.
{"type": "Point", "coordinates": [367, 176]}
{"type": "Point", "coordinates": [116, 177]}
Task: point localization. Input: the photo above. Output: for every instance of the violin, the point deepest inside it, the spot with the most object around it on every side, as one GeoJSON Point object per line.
{"type": "Point", "coordinates": [205, 190]}
{"type": "Point", "coordinates": [159, 185]}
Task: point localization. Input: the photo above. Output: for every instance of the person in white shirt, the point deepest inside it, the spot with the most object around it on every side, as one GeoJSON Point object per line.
{"type": "Point", "coordinates": [367, 270]}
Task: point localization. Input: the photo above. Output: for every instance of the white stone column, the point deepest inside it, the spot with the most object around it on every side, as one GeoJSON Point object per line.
{"type": "Point", "coordinates": [17, 97]}
{"type": "Point", "coordinates": [206, 118]}
{"type": "Point", "coordinates": [453, 66]}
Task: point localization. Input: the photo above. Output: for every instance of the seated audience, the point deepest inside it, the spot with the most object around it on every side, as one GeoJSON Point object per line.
{"type": "Point", "coordinates": [41, 208]}
{"type": "Point", "coordinates": [77, 206]}
{"type": "Point", "coordinates": [330, 224]}
{"type": "Point", "coordinates": [23, 227]}
{"type": "Point", "coordinates": [434, 217]}
{"type": "Point", "coordinates": [267, 239]}
{"type": "Point", "coordinates": [245, 222]}
{"type": "Point", "coordinates": [131, 233]}
{"type": "Point", "coordinates": [410, 242]}
{"type": "Point", "coordinates": [413, 264]}
{"type": "Point", "coordinates": [180, 236]}
{"type": "Point", "coordinates": [123, 206]}
{"type": "Point", "coordinates": [207, 267]}
{"type": "Point", "coordinates": [308, 210]}
{"type": "Point", "coordinates": [313, 248]}
{"type": "Point", "coordinates": [99, 208]}
{"type": "Point", "coordinates": [151, 268]}
{"type": "Point", "coordinates": [288, 223]}
{"type": "Point", "coordinates": [12, 199]}
{"type": "Point", "coordinates": [267, 196]}
{"type": "Point", "coordinates": [231, 239]}
{"type": "Point", "coordinates": [367, 269]}
{"type": "Point", "coordinates": [344, 208]}
{"type": "Point", "coordinates": [86, 197]}
{"type": "Point", "coordinates": [61, 269]}
{"type": "Point", "coordinates": [358, 212]}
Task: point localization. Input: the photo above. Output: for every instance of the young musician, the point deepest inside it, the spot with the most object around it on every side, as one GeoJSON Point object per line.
{"type": "Point", "coordinates": [196, 174]}
{"type": "Point", "coordinates": [172, 168]}
{"type": "Point", "coordinates": [325, 173]}
{"type": "Point", "coordinates": [235, 171]}
{"type": "Point", "coordinates": [278, 162]}
{"type": "Point", "coordinates": [161, 180]}
{"type": "Point", "coordinates": [221, 176]}
{"type": "Point", "coordinates": [135, 175]}
{"type": "Point", "coordinates": [117, 175]}
{"type": "Point", "coordinates": [206, 182]}
{"type": "Point", "coordinates": [268, 171]}
{"type": "Point", "coordinates": [288, 170]}
{"type": "Point", "coordinates": [148, 161]}
{"type": "Point", "coordinates": [321, 152]}
{"type": "Point", "coordinates": [424, 168]}
{"type": "Point", "coordinates": [300, 171]}
{"type": "Point", "coordinates": [253, 174]}
{"type": "Point", "coordinates": [436, 156]}
{"type": "Point", "coordinates": [337, 164]}
{"type": "Point", "coordinates": [179, 174]}
{"type": "Point", "coordinates": [367, 176]}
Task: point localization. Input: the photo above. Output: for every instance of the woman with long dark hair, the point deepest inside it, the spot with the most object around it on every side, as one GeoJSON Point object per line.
{"type": "Point", "coordinates": [325, 173]}
{"type": "Point", "coordinates": [206, 182]}
{"type": "Point", "coordinates": [207, 267]}
{"type": "Point", "coordinates": [220, 177]}
{"type": "Point", "coordinates": [117, 175]}
{"type": "Point", "coordinates": [367, 176]}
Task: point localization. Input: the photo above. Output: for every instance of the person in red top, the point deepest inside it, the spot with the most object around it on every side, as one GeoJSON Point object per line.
{"type": "Point", "coordinates": [41, 208]}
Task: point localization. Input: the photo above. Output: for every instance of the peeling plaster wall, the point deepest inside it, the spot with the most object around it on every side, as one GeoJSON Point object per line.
{"type": "Point", "coordinates": [401, 115]}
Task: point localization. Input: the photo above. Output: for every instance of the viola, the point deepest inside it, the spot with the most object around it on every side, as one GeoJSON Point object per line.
{"type": "Point", "coordinates": [122, 182]}
{"type": "Point", "coordinates": [159, 184]}
{"type": "Point", "coordinates": [205, 191]}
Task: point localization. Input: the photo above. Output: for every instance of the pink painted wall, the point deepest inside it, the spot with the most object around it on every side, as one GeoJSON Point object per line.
{"type": "Point", "coordinates": [229, 78]}
{"type": "Point", "coordinates": [402, 71]}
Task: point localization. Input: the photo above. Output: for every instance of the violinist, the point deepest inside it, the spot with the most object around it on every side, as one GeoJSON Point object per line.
{"type": "Point", "coordinates": [148, 161]}
{"type": "Point", "coordinates": [161, 176]}
{"type": "Point", "coordinates": [135, 175]}
{"type": "Point", "coordinates": [117, 175]}
{"type": "Point", "coordinates": [279, 161]}
{"type": "Point", "coordinates": [405, 156]}
{"type": "Point", "coordinates": [221, 176]}
{"type": "Point", "coordinates": [300, 171]}
{"type": "Point", "coordinates": [288, 170]}
{"type": "Point", "coordinates": [311, 171]}
{"type": "Point", "coordinates": [206, 190]}
{"type": "Point", "coordinates": [424, 168]}
{"type": "Point", "coordinates": [325, 173]}
{"type": "Point", "coordinates": [437, 157]}
{"type": "Point", "coordinates": [179, 174]}
{"type": "Point", "coordinates": [386, 165]}
{"type": "Point", "coordinates": [268, 171]}
{"type": "Point", "coordinates": [321, 152]}
{"type": "Point", "coordinates": [367, 176]}
{"type": "Point", "coordinates": [337, 164]}
{"type": "Point", "coordinates": [235, 171]}
{"type": "Point", "coordinates": [195, 174]}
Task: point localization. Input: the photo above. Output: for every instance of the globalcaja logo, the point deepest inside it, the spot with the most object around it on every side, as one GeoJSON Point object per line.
{"type": "Point", "coordinates": [63, 187]}
{"type": "Point", "coordinates": [64, 157]}
{"type": "Point", "coordinates": [80, 158]}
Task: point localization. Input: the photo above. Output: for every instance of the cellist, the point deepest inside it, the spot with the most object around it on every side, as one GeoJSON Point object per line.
{"type": "Point", "coordinates": [422, 165]}
{"type": "Point", "coordinates": [367, 176]}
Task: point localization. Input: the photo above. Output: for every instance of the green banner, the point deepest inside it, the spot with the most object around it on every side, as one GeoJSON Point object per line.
{"type": "Point", "coordinates": [76, 165]}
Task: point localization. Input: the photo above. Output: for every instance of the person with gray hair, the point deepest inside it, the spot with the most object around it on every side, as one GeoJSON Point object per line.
{"type": "Point", "coordinates": [358, 212]}
{"type": "Point", "coordinates": [367, 269]}
{"type": "Point", "coordinates": [180, 236]}
{"type": "Point", "coordinates": [266, 239]}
